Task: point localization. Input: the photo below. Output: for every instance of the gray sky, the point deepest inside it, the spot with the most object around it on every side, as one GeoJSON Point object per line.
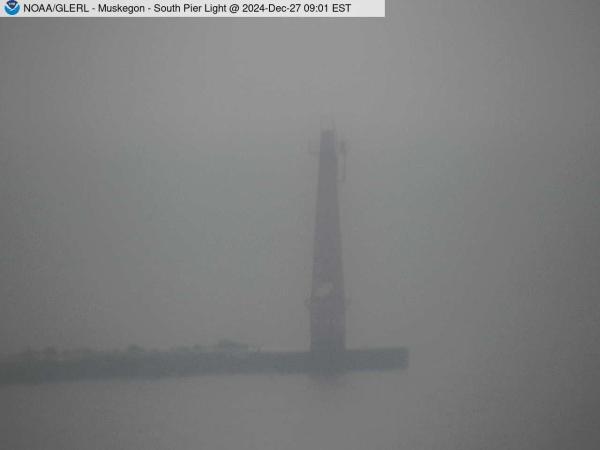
{"type": "Point", "coordinates": [156, 186]}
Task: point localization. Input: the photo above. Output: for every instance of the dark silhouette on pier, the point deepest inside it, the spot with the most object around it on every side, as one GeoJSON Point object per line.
{"type": "Point", "coordinates": [327, 298]}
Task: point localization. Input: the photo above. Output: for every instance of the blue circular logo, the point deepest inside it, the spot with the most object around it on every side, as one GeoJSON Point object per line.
{"type": "Point", "coordinates": [12, 7]}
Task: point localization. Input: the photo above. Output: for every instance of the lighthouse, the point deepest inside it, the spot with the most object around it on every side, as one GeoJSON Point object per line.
{"type": "Point", "coordinates": [327, 298]}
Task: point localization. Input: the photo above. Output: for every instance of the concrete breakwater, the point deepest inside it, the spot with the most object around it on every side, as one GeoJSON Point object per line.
{"type": "Point", "coordinates": [163, 364]}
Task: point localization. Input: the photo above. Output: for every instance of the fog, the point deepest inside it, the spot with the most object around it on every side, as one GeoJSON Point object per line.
{"type": "Point", "coordinates": [157, 185]}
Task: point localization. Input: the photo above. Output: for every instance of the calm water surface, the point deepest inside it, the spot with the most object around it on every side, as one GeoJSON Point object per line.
{"type": "Point", "coordinates": [411, 409]}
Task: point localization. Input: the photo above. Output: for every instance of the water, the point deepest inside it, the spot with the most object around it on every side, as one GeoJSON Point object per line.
{"type": "Point", "coordinates": [418, 408]}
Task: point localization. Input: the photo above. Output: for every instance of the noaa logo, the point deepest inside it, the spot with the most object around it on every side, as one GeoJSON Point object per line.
{"type": "Point", "coordinates": [12, 7]}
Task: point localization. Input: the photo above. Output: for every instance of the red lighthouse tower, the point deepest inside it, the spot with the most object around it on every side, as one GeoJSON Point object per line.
{"type": "Point", "coordinates": [327, 299]}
